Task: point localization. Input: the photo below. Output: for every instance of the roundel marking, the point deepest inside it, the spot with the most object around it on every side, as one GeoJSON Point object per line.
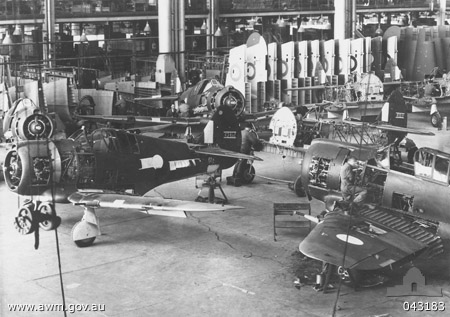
{"type": "Point", "coordinates": [349, 239]}
{"type": "Point", "coordinates": [284, 67]}
{"type": "Point", "coordinates": [325, 65]}
{"type": "Point", "coordinates": [235, 72]}
{"type": "Point", "coordinates": [355, 63]}
{"type": "Point", "coordinates": [251, 71]}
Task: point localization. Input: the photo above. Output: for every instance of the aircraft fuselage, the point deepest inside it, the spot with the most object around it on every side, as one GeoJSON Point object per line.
{"type": "Point", "coordinates": [107, 159]}
{"type": "Point", "coordinates": [423, 195]}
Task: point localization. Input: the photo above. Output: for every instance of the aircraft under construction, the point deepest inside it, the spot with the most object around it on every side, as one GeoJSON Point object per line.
{"type": "Point", "coordinates": [404, 215]}
{"type": "Point", "coordinates": [109, 168]}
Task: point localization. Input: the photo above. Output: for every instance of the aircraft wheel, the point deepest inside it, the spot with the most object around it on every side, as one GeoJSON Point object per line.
{"type": "Point", "coordinates": [350, 275]}
{"type": "Point", "coordinates": [248, 173]}
{"type": "Point", "coordinates": [50, 220]}
{"type": "Point", "coordinates": [25, 222]}
{"type": "Point", "coordinates": [84, 234]}
{"type": "Point", "coordinates": [298, 187]}
{"type": "Point", "coordinates": [436, 119]}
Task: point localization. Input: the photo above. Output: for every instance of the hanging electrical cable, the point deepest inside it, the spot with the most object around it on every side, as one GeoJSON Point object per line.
{"type": "Point", "coordinates": [351, 213]}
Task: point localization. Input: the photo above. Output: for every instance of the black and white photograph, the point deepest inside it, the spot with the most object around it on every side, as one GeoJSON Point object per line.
{"type": "Point", "coordinates": [224, 158]}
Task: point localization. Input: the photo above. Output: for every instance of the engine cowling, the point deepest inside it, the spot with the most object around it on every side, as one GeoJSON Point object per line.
{"type": "Point", "coordinates": [231, 97]}
{"type": "Point", "coordinates": [34, 127]}
{"type": "Point", "coordinates": [25, 121]}
{"type": "Point", "coordinates": [32, 167]}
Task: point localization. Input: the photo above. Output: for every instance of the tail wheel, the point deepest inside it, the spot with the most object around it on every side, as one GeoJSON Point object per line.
{"type": "Point", "coordinates": [436, 119]}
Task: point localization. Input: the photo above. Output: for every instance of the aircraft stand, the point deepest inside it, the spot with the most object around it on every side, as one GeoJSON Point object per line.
{"type": "Point", "coordinates": [211, 184]}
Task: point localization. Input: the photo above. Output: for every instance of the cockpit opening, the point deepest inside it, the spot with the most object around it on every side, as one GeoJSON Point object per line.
{"type": "Point", "coordinates": [432, 164]}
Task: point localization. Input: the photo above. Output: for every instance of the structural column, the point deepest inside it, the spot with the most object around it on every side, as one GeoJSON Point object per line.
{"type": "Point", "coordinates": [181, 41]}
{"type": "Point", "coordinates": [49, 33]}
{"type": "Point", "coordinates": [344, 19]}
{"type": "Point", "coordinates": [164, 27]}
{"type": "Point", "coordinates": [441, 14]}
{"type": "Point", "coordinates": [165, 65]}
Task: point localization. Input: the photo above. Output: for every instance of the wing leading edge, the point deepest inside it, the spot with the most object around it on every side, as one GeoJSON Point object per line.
{"type": "Point", "coordinates": [216, 151]}
{"type": "Point", "coordinates": [150, 205]}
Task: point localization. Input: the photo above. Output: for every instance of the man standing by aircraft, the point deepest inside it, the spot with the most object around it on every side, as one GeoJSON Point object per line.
{"type": "Point", "coordinates": [172, 112]}
{"type": "Point", "coordinates": [350, 191]}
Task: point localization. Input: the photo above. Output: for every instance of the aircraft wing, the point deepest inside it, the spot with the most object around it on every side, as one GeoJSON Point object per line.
{"type": "Point", "coordinates": [394, 128]}
{"type": "Point", "coordinates": [150, 205]}
{"type": "Point", "coordinates": [340, 107]}
{"type": "Point", "coordinates": [370, 245]}
{"type": "Point", "coordinates": [144, 120]}
{"type": "Point", "coordinates": [157, 98]}
{"type": "Point", "coordinates": [216, 151]}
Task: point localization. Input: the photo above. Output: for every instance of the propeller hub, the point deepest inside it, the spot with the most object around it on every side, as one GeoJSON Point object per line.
{"type": "Point", "coordinates": [231, 102]}
{"type": "Point", "coordinates": [36, 127]}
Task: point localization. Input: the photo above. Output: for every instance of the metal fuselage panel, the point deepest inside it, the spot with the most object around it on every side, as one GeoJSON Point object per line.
{"type": "Point", "coordinates": [158, 162]}
{"type": "Point", "coordinates": [430, 199]}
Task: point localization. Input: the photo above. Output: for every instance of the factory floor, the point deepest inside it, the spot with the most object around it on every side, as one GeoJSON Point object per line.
{"type": "Point", "coordinates": [210, 264]}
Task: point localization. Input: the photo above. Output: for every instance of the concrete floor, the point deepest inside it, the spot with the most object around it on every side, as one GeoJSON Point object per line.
{"type": "Point", "coordinates": [210, 264]}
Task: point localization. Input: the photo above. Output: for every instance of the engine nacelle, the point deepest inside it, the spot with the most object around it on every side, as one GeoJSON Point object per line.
{"type": "Point", "coordinates": [32, 167]}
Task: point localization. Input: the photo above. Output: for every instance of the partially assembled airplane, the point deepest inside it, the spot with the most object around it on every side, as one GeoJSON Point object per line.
{"type": "Point", "coordinates": [112, 168]}
{"type": "Point", "coordinates": [291, 135]}
{"type": "Point", "coordinates": [195, 104]}
{"type": "Point", "coordinates": [405, 214]}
